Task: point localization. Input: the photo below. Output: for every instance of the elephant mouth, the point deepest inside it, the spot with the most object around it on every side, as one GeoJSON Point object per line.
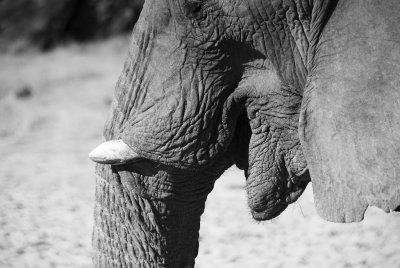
{"type": "Point", "coordinates": [268, 214]}
{"type": "Point", "coordinates": [267, 206]}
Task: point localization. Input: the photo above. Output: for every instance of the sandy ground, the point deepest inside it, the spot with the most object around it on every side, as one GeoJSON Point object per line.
{"type": "Point", "coordinates": [47, 182]}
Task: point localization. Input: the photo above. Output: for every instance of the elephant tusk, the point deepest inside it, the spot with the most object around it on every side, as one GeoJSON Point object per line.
{"type": "Point", "coordinates": [114, 152]}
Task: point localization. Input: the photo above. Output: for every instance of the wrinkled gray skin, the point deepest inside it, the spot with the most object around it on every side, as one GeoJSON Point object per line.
{"type": "Point", "coordinates": [208, 84]}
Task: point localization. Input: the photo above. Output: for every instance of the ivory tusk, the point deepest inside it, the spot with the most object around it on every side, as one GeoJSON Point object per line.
{"type": "Point", "coordinates": [114, 152]}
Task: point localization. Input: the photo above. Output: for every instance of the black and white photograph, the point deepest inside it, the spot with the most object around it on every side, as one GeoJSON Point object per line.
{"type": "Point", "coordinates": [200, 133]}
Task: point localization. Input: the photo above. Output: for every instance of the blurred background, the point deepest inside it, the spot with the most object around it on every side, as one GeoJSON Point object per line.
{"type": "Point", "coordinates": [44, 23]}
{"type": "Point", "coordinates": [59, 62]}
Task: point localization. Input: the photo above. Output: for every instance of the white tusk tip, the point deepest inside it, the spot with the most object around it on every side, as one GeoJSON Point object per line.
{"type": "Point", "coordinates": [115, 152]}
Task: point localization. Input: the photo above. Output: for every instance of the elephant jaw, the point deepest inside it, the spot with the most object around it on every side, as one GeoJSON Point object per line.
{"type": "Point", "coordinates": [269, 213]}
{"type": "Point", "coordinates": [272, 196]}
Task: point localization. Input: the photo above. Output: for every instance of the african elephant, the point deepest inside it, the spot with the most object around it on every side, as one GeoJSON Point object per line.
{"type": "Point", "coordinates": [288, 90]}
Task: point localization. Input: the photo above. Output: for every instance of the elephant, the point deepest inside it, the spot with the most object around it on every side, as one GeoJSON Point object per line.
{"type": "Point", "coordinates": [290, 91]}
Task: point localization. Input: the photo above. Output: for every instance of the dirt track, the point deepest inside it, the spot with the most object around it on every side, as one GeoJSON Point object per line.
{"type": "Point", "coordinates": [47, 182]}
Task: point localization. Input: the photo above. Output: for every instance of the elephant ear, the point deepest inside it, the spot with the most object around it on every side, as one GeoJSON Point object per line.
{"type": "Point", "coordinates": [350, 118]}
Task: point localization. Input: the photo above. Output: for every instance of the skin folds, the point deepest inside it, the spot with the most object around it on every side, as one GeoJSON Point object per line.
{"type": "Point", "coordinates": [208, 84]}
{"type": "Point", "coordinates": [200, 91]}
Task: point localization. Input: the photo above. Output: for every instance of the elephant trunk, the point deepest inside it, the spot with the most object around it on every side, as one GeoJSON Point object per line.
{"type": "Point", "coordinates": [135, 230]}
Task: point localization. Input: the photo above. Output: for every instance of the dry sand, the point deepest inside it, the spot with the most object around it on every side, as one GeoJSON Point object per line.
{"type": "Point", "coordinates": [47, 182]}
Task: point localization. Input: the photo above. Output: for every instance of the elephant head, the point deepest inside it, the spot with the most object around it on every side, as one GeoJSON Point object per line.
{"type": "Point", "coordinates": [265, 85]}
